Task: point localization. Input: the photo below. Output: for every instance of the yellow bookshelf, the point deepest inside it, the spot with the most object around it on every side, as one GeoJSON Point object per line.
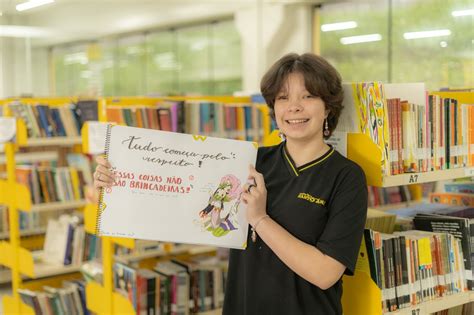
{"type": "Point", "coordinates": [362, 296]}
{"type": "Point", "coordinates": [16, 196]}
{"type": "Point", "coordinates": [12, 255]}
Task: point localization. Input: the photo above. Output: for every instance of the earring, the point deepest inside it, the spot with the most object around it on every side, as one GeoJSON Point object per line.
{"type": "Point", "coordinates": [326, 132]}
{"type": "Point", "coordinates": [281, 135]}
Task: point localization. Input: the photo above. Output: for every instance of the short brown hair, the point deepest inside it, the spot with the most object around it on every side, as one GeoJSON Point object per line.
{"type": "Point", "coordinates": [321, 79]}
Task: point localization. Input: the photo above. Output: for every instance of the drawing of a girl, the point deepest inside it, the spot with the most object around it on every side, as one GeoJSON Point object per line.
{"type": "Point", "coordinates": [227, 190]}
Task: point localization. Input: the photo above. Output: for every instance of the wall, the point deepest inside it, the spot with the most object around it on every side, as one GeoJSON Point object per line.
{"type": "Point", "coordinates": [269, 31]}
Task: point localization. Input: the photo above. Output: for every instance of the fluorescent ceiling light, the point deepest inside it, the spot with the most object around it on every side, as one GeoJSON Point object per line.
{"type": "Point", "coordinates": [22, 31]}
{"type": "Point", "coordinates": [463, 12]}
{"type": "Point", "coordinates": [338, 26]}
{"type": "Point", "coordinates": [426, 34]}
{"type": "Point", "coordinates": [360, 39]}
{"type": "Point", "coordinates": [32, 4]}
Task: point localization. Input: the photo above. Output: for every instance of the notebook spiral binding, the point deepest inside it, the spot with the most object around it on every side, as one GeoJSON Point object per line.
{"type": "Point", "coordinates": [101, 205]}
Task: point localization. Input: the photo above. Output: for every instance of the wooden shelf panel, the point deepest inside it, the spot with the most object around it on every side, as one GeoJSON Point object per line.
{"type": "Point", "coordinates": [53, 141]}
{"type": "Point", "coordinates": [417, 178]}
{"type": "Point", "coordinates": [60, 205]}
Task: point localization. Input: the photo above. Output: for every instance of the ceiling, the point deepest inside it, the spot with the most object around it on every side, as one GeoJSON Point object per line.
{"type": "Point", "coordinates": [75, 20]}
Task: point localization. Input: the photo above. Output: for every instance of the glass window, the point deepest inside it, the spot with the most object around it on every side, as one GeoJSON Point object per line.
{"type": "Point", "coordinates": [442, 58]}
{"type": "Point", "coordinates": [162, 63]}
{"type": "Point", "coordinates": [74, 71]}
{"type": "Point", "coordinates": [356, 58]}
{"type": "Point", "coordinates": [131, 78]}
{"type": "Point", "coordinates": [193, 50]}
{"type": "Point", "coordinates": [108, 52]}
{"type": "Point", "coordinates": [200, 60]}
{"type": "Point", "coordinates": [226, 58]}
{"type": "Point", "coordinates": [403, 52]}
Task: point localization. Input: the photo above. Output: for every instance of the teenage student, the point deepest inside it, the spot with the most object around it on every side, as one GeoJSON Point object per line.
{"type": "Point", "coordinates": [306, 203]}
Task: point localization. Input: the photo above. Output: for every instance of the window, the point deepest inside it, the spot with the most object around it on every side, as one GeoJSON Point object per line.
{"type": "Point", "coordinates": [203, 59]}
{"type": "Point", "coordinates": [442, 58]}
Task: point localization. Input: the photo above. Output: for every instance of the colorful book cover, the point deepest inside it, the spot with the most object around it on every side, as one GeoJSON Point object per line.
{"type": "Point", "coordinates": [176, 187]}
{"type": "Point", "coordinates": [371, 108]}
{"type": "Point", "coordinates": [457, 199]}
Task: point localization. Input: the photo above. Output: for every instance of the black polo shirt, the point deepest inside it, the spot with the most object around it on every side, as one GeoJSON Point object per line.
{"type": "Point", "coordinates": [323, 203]}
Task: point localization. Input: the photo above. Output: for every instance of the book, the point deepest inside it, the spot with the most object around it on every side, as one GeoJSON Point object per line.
{"type": "Point", "coordinates": [196, 181]}
{"type": "Point", "coordinates": [458, 227]}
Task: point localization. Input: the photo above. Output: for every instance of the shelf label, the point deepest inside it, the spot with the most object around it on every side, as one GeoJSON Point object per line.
{"type": "Point", "coordinates": [7, 129]}
{"type": "Point", "coordinates": [416, 311]}
{"type": "Point", "coordinates": [469, 171]}
{"type": "Point", "coordinates": [413, 179]}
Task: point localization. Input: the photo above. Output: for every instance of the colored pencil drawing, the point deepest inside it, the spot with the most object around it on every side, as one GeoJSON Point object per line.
{"type": "Point", "coordinates": [219, 215]}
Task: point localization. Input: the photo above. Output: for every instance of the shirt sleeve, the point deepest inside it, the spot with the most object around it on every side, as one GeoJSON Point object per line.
{"type": "Point", "coordinates": [342, 235]}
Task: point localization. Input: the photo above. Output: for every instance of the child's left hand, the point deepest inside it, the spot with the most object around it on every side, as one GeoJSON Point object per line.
{"type": "Point", "coordinates": [256, 197]}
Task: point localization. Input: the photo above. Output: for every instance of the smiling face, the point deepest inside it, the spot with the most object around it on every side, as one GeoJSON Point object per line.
{"type": "Point", "coordinates": [299, 114]}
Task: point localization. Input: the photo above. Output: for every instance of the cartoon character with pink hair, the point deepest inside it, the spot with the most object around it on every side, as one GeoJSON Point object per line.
{"type": "Point", "coordinates": [228, 190]}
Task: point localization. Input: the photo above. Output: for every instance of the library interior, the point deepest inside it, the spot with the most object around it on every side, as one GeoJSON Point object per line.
{"type": "Point", "coordinates": [180, 81]}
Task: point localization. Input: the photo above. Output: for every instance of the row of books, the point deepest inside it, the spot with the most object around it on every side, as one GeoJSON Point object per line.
{"type": "Point", "coordinates": [28, 221]}
{"type": "Point", "coordinates": [67, 243]}
{"type": "Point", "coordinates": [42, 120]}
{"type": "Point", "coordinates": [379, 196]}
{"type": "Point", "coordinates": [205, 118]}
{"type": "Point", "coordinates": [434, 260]}
{"type": "Point", "coordinates": [173, 287]}
{"type": "Point", "coordinates": [456, 199]}
{"type": "Point", "coordinates": [427, 133]}
{"type": "Point", "coordinates": [70, 299]}
{"type": "Point", "coordinates": [413, 266]}
{"type": "Point", "coordinates": [52, 184]}
{"type": "Point", "coordinates": [437, 135]}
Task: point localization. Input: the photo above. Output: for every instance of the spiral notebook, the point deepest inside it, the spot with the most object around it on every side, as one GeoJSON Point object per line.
{"type": "Point", "coordinates": [175, 187]}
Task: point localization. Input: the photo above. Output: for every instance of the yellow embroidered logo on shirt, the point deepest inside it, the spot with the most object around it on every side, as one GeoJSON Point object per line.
{"type": "Point", "coordinates": [310, 198]}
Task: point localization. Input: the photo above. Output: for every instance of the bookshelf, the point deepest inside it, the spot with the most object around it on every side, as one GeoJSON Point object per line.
{"type": "Point", "coordinates": [24, 233]}
{"type": "Point", "coordinates": [364, 152]}
{"type": "Point", "coordinates": [42, 270]}
{"type": "Point", "coordinates": [54, 141]}
{"type": "Point", "coordinates": [33, 157]}
{"type": "Point", "coordinates": [437, 305]}
{"type": "Point", "coordinates": [23, 263]}
{"type": "Point", "coordinates": [361, 295]}
{"type": "Point", "coordinates": [183, 249]}
{"type": "Point", "coordinates": [57, 206]}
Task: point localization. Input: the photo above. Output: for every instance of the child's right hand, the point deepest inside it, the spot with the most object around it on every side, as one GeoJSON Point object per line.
{"type": "Point", "coordinates": [103, 177]}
